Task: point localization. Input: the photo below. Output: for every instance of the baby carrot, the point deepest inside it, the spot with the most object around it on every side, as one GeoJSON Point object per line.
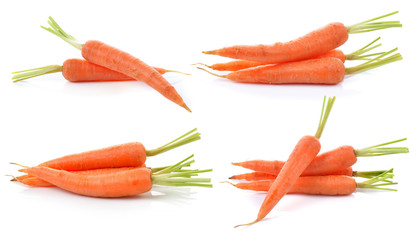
{"type": "Point", "coordinates": [120, 183]}
{"type": "Point", "coordinates": [313, 44]}
{"type": "Point", "coordinates": [328, 162]}
{"type": "Point", "coordinates": [324, 185]}
{"type": "Point", "coordinates": [303, 153]}
{"type": "Point", "coordinates": [328, 71]}
{"type": "Point", "coordinates": [131, 154]}
{"type": "Point", "coordinates": [255, 176]}
{"type": "Point", "coordinates": [336, 53]}
{"type": "Point", "coordinates": [79, 70]}
{"type": "Point", "coordinates": [117, 60]}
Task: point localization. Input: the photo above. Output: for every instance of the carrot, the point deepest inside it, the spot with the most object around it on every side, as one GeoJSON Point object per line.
{"type": "Point", "coordinates": [36, 182]}
{"type": "Point", "coordinates": [329, 71]}
{"type": "Point", "coordinates": [329, 162]}
{"type": "Point", "coordinates": [79, 70]}
{"type": "Point", "coordinates": [303, 153]}
{"type": "Point", "coordinates": [324, 185]}
{"type": "Point", "coordinates": [255, 176]}
{"type": "Point", "coordinates": [121, 183]}
{"type": "Point", "coordinates": [131, 154]}
{"type": "Point", "coordinates": [114, 59]}
{"type": "Point", "coordinates": [313, 44]}
{"type": "Point", "coordinates": [356, 55]}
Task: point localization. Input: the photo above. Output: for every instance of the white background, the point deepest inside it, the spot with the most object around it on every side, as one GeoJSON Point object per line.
{"type": "Point", "coordinates": [47, 117]}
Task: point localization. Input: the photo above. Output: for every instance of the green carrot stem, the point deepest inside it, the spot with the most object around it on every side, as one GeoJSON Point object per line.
{"type": "Point", "coordinates": [186, 138]}
{"type": "Point", "coordinates": [378, 150]}
{"type": "Point", "coordinates": [377, 181]}
{"type": "Point", "coordinates": [177, 166]}
{"type": "Point", "coordinates": [59, 32]}
{"type": "Point", "coordinates": [371, 25]}
{"type": "Point", "coordinates": [325, 111]}
{"type": "Point", "coordinates": [375, 62]}
{"type": "Point", "coordinates": [370, 174]}
{"type": "Point", "coordinates": [34, 72]}
{"type": "Point", "coordinates": [358, 54]}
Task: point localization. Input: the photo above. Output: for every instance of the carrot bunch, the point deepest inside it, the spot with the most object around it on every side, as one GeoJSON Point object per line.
{"type": "Point", "coordinates": [116, 171]}
{"type": "Point", "coordinates": [308, 172]}
{"type": "Point", "coordinates": [310, 59]}
{"type": "Point", "coordinates": [103, 63]}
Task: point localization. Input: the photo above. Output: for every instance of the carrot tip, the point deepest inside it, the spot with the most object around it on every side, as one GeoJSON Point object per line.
{"type": "Point", "coordinates": [247, 224]}
{"type": "Point", "coordinates": [186, 107]}
{"type": "Point", "coordinates": [209, 52]}
{"type": "Point", "coordinates": [13, 177]}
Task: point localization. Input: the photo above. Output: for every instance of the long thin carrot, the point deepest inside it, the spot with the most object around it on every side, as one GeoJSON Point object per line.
{"type": "Point", "coordinates": [328, 162]}
{"type": "Point", "coordinates": [328, 71]}
{"type": "Point", "coordinates": [324, 185]}
{"type": "Point", "coordinates": [124, 155]}
{"type": "Point", "coordinates": [255, 176]}
{"type": "Point", "coordinates": [112, 58]}
{"type": "Point", "coordinates": [303, 153]}
{"type": "Point", "coordinates": [121, 183]}
{"type": "Point", "coordinates": [79, 70]}
{"type": "Point", "coordinates": [310, 45]}
{"type": "Point", "coordinates": [356, 55]}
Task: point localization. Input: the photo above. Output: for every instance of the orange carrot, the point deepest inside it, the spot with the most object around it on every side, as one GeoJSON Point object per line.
{"type": "Point", "coordinates": [36, 182]}
{"type": "Point", "coordinates": [336, 53]}
{"type": "Point", "coordinates": [328, 71]}
{"type": "Point", "coordinates": [120, 183]}
{"type": "Point", "coordinates": [313, 44]}
{"type": "Point", "coordinates": [124, 155]}
{"type": "Point", "coordinates": [79, 70]}
{"type": "Point", "coordinates": [114, 59]}
{"type": "Point", "coordinates": [303, 153]}
{"type": "Point", "coordinates": [255, 176]}
{"type": "Point", "coordinates": [324, 185]}
{"type": "Point", "coordinates": [329, 162]}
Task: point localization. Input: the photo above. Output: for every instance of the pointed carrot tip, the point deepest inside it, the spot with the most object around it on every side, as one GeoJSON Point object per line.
{"type": "Point", "coordinates": [247, 224]}
{"type": "Point", "coordinates": [236, 163]}
{"type": "Point", "coordinates": [209, 52]}
{"type": "Point", "coordinates": [186, 107]}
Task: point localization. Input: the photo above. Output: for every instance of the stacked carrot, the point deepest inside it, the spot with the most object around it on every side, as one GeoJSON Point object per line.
{"type": "Point", "coordinates": [308, 172]}
{"type": "Point", "coordinates": [310, 59]}
{"type": "Point", "coordinates": [103, 63]}
{"type": "Point", "coordinates": [116, 171]}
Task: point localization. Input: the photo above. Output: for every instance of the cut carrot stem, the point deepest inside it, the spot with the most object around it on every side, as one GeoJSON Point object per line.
{"type": "Point", "coordinates": [375, 62]}
{"type": "Point", "coordinates": [371, 25]}
{"type": "Point", "coordinates": [378, 150]}
{"type": "Point", "coordinates": [188, 137]}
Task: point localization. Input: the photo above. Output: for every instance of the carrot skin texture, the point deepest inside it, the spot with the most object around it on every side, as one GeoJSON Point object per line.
{"type": "Point", "coordinates": [308, 46]}
{"type": "Point", "coordinates": [328, 163]}
{"type": "Point", "coordinates": [329, 71]}
{"type": "Point", "coordinates": [254, 176]}
{"type": "Point", "coordinates": [80, 70]}
{"type": "Point", "coordinates": [303, 153]}
{"type": "Point", "coordinates": [243, 64]}
{"type": "Point", "coordinates": [112, 58]}
{"type": "Point", "coordinates": [124, 155]}
{"type": "Point", "coordinates": [333, 185]}
{"type": "Point", "coordinates": [36, 182]}
{"type": "Point", "coordinates": [120, 184]}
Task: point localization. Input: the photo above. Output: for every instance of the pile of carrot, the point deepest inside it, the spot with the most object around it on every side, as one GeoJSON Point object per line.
{"type": "Point", "coordinates": [103, 63]}
{"type": "Point", "coordinates": [310, 59]}
{"type": "Point", "coordinates": [308, 172]}
{"type": "Point", "coordinates": [116, 171]}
